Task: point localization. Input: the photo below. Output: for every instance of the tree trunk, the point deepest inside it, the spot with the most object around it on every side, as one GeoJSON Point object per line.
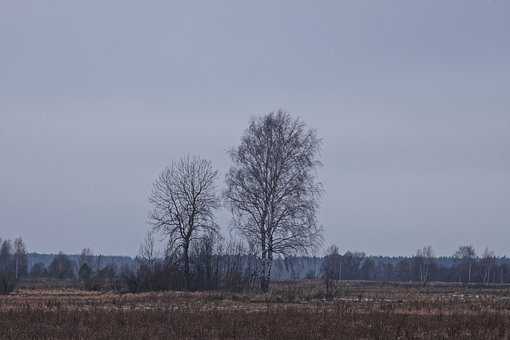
{"type": "Point", "coordinates": [17, 267]}
{"type": "Point", "coordinates": [469, 273]}
{"type": "Point", "coordinates": [267, 262]}
{"type": "Point", "coordinates": [186, 267]}
{"type": "Point", "coordinates": [264, 285]}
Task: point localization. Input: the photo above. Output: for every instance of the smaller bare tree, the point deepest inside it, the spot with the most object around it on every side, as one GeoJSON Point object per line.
{"type": "Point", "coordinates": [20, 258]}
{"type": "Point", "coordinates": [488, 262]}
{"type": "Point", "coordinates": [86, 257]}
{"type": "Point", "coordinates": [184, 201]}
{"type": "Point", "coordinates": [7, 273]}
{"type": "Point", "coordinates": [331, 269]}
{"type": "Point", "coordinates": [425, 260]}
{"type": "Point", "coordinates": [467, 256]}
{"type": "Point", "coordinates": [147, 252]}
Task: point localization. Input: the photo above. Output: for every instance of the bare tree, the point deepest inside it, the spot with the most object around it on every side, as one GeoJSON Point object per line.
{"type": "Point", "coordinates": [272, 190]}
{"type": "Point", "coordinates": [5, 256]}
{"type": "Point", "coordinates": [61, 267]}
{"type": "Point", "coordinates": [86, 257]}
{"type": "Point", "coordinates": [466, 255]}
{"type": "Point", "coordinates": [331, 269]}
{"type": "Point", "coordinates": [147, 262]}
{"type": "Point", "coordinates": [488, 262]}
{"type": "Point", "coordinates": [20, 258]}
{"type": "Point", "coordinates": [8, 277]}
{"type": "Point", "coordinates": [147, 252]}
{"type": "Point", "coordinates": [184, 200]}
{"type": "Point", "coordinates": [424, 259]}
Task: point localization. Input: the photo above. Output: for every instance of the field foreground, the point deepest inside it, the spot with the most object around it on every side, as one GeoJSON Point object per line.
{"type": "Point", "coordinates": [291, 311]}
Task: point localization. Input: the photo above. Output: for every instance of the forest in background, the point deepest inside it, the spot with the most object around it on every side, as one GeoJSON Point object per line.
{"type": "Point", "coordinates": [215, 265]}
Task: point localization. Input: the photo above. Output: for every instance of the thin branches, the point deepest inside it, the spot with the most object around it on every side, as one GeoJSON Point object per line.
{"type": "Point", "coordinates": [184, 200]}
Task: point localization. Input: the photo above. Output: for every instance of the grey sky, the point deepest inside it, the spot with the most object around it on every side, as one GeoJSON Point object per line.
{"type": "Point", "coordinates": [411, 98]}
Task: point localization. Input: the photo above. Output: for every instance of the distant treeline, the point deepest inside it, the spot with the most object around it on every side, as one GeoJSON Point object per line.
{"type": "Point", "coordinates": [215, 264]}
{"type": "Point", "coordinates": [99, 261]}
{"type": "Point", "coordinates": [463, 266]}
{"type": "Point", "coordinates": [350, 266]}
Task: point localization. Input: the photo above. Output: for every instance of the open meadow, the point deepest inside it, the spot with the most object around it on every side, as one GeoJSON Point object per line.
{"type": "Point", "coordinates": [301, 310]}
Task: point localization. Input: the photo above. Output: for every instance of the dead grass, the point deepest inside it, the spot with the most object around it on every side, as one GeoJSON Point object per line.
{"type": "Point", "coordinates": [290, 311]}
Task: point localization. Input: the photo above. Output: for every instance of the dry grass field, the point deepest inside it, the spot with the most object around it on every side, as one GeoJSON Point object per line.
{"type": "Point", "coordinates": [358, 310]}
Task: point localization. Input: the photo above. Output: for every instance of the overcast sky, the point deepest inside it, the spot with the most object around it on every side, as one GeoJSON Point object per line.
{"type": "Point", "coordinates": [411, 98]}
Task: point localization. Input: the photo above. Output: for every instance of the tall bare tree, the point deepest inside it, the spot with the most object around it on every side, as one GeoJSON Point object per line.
{"type": "Point", "coordinates": [184, 201]}
{"type": "Point", "coordinates": [272, 188]}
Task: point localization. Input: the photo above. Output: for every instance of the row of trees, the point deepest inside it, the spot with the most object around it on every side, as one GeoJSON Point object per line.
{"type": "Point", "coordinates": [217, 264]}
{"type": "Point", "coordinates": [231, 265]}
{"type": "Point", "coordinates": [88, 270]}
{"type": "Point", "coordinates": [463, 266]}
{"type": "Point", "coordinates": [213, 264]}
{"type": "Point", "coordinates": [271, 190]}
{"type": "Point", "coordinates": [14, 266]}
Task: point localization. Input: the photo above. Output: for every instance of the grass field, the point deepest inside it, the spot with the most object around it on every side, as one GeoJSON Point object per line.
{"type": "Point", "coordinates": [291, 311]}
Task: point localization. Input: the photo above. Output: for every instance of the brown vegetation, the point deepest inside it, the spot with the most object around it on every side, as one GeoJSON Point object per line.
{"type": "Point", "coordinates": [289, 311]}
